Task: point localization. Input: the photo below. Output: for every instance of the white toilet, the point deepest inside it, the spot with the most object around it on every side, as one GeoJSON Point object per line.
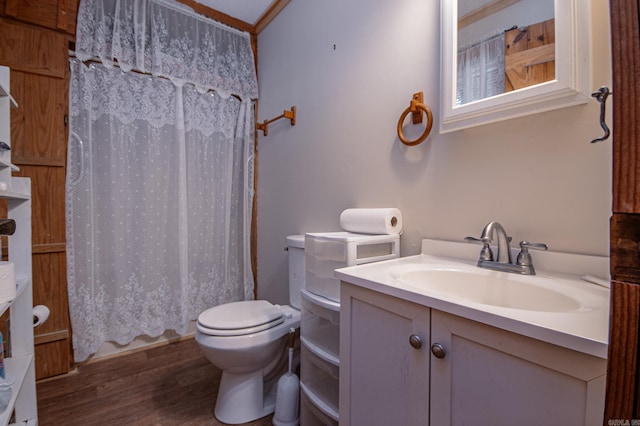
{"type": "Point", "coordinates": [247, 340]}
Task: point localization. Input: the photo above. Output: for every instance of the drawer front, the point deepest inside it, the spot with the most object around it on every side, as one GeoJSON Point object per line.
{"type": "Point", "coordinates": [312, 413]}
{"type": "Point", "coordinates": [320, 326]}
{"type": "Point", "coordinates": [320, 379]}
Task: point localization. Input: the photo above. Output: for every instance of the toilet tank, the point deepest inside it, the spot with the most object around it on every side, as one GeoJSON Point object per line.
{"type": "Point", "coordinates": [295, 245]}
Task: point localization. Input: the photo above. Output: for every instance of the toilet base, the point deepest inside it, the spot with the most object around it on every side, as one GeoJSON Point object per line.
{"type": "Point", "coordinates": [242, 398]}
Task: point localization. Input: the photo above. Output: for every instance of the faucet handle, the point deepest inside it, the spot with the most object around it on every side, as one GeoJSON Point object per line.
{"type": "Point", "coordinates": [535, 246]}
{"type": "Point", "coordinates": [486, 253]}
{"type": "Point", "coordinates": [482, 240]}
{"type": "Point", "coordinates": [524, 258]}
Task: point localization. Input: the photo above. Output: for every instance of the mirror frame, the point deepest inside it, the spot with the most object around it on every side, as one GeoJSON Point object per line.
{"type": "Point", "coordinates": [571, 86]}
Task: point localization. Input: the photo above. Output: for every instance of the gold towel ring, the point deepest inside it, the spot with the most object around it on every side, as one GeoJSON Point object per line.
{"type": "Point", "coordinates": [416, 108]}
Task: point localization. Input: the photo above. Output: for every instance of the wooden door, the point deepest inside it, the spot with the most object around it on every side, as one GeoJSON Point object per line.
{"type": "Point", "coordinates": [529, 55]}
{"type": "Point", "coordinates": [34, 42]}
{"type": "Point", "coordinates": [623, 374]}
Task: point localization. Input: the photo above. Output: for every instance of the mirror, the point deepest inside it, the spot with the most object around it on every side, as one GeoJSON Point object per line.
{"type": "Point", "coordinates": [509, 58]}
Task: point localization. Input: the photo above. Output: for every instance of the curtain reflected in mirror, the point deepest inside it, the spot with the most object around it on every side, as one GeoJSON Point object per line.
{"type": "Point", "coordinates": [503, 45]}
{"type": "Point", "coordinates": [481, 70]}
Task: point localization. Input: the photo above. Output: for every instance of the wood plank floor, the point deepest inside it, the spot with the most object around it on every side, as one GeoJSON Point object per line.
{"type": "Point", "coordinates": [172, 384]}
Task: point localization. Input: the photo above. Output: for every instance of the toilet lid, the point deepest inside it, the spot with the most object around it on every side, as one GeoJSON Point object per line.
{"type": "Point", "coordinates": [236, 316]}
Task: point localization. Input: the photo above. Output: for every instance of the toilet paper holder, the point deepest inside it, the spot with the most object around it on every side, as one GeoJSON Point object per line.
{"type": "Point", "coordinates": [40, 315]}
{"type": "Point", "coordinates": [7, 226]}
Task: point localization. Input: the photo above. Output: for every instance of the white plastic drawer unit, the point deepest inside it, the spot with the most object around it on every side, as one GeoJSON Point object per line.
{"type": "Point", "coordinates": [320, 359]}
{"type": "Point", "coordinates": [320, 380]}
{"type": "Point", "coordinates": [311, 414]}
{"type": "Point", "coordinates": [320, 326]}
{"type": "Point", "coordinates": [326, 252]}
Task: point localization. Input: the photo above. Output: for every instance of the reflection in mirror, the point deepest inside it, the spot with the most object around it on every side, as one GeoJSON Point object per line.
{"type": "Point", "coordinates": [503, 45]}
{"type": "Point", "coordinates": [555, 74]}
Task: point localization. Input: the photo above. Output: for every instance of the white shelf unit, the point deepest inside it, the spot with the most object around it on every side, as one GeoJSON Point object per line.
{"type": "Point", "coordinates": [320, 322]}
{"type": "Point", "coordinates": [19, 366]}
{"type": "Point", "coordinates": [320, 359]}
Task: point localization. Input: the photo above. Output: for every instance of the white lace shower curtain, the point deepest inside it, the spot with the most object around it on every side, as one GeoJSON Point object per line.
{"type": "Point", "coordinates": [160, 171]}
{"type": "Point", "coordinates": [480, 71]}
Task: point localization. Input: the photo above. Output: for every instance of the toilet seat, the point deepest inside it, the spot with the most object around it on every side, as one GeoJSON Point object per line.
{"type": "Point", "coordinates": [240, 318]}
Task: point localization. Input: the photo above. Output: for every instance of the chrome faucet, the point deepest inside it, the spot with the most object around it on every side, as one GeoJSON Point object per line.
{"type": "Point", "coordinates": [502, 261]}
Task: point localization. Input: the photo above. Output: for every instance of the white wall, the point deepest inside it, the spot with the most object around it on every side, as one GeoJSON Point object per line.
{"type": "Point", "coordinates": [351, 67]}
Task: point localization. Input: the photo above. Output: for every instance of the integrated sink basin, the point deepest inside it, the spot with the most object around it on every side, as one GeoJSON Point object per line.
{"type": "Point", "coordinates": [501, 289]}
{"type": "Point", "coordinates": [563, 304]}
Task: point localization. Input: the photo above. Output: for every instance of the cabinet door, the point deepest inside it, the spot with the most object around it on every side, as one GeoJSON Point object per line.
{"type": "Point", "coordinates": [490, 376]}
{"type": "Point", "coordinates": [383, 378]}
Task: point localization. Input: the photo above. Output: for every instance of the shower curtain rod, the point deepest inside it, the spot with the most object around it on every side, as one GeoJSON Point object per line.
{"type": "Point", "coordinates": [97, 60]}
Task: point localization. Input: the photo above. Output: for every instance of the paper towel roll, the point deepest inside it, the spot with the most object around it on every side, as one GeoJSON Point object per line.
{"type": "Point", "coordinates": [372, 221]}
{"type": "Point", "coordinates": [40, 314]}
{"type": "Point", "coordinates": [7, 282]}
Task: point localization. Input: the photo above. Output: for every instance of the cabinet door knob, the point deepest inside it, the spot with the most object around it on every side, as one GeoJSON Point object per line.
{"type": "Point", "coordinates": [438, 350]}
{"type": "Point", "coordinates": [415, 341]}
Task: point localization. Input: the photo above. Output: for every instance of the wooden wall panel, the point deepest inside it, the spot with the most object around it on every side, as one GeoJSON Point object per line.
{"type": "Point", "coordinates": [622, 357]}
{"type": "Point", "coordinates": [32, 49]}
{"type": "Point", "coordinates": [53, 14]}
{"type": "Point", "coordinates": [39, 12]}
{"type": "Point", "coordinates": [622, 370]}
{"type": "Point", "coordinates": [38, 58]}
{"type": "Point", "coordinates": [623, 374]}
{"type": "Point", "coordinates": [52, 339]}
{"type": "Point", "coordinates": [625, 42]}
{"type": "Point", "coordinates": [50, 288]}
{"type": "Point", "coordinates": [51, 357]}
{"type": "Point", "coordinates": [49, 272]}
{"type": "Point", "coordinates": [40, 120]}
{"type": "Point", "coordinates": [625, 247]}
{"type": "Point", "coordinates": [47, 203]}
{"type": "Point", "coordinates": [67, 15]}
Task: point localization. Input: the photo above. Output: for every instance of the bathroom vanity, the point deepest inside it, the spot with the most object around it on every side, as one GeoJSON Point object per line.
{"type": "Point", "coordinates": [510, 350]}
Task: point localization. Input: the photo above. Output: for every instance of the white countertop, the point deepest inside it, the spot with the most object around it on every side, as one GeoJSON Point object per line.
{"type": "Point", "coordinates": [585, 329]}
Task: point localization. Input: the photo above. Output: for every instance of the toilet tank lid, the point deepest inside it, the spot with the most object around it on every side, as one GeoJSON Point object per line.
{"type": "Point", "coordinates": [295, 241]}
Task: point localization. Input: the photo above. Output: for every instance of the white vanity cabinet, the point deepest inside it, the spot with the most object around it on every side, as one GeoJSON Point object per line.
{"type": "Point", "coordinates": [464, 372]}
{"type": "Point", "coordinates": [384, 380]}
{"type": "Point", "coordinates": [491, 376]}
